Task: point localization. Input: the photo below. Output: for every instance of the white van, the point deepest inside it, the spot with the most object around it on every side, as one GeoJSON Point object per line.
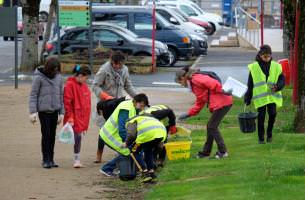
{"type": "Point", "coordinates": [192, 10]}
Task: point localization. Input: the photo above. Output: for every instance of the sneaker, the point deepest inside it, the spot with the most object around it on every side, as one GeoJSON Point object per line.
{"type": "Point", "coordinates": [108, 174]}
{"type": "Point", "coordinates": [77, 164]}
{"type": "Point", "coordinates": [261, 142]}
{"type": "Point", "coordinates": [116, 171]}
{"type": "Point", "coordinates": [53, 164]}
{"type": "Point", "coordinates": [220, 155]}
{"type": "Point", "coordinates": [202, 155]}
{"type": "Point", "coordinates": [46, 165]}
{"type": "Point", "coordinates": [152, 175]}
{"type": "Point", "coordinates": [146, 178]}
{"type": "Point", "coordinates": [269, 140]}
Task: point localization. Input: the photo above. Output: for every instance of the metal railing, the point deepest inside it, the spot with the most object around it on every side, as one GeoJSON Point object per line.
{"type": "Point", "coordinates": [247, 26]}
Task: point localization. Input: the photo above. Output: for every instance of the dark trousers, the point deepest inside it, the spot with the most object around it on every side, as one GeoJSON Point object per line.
{"type": "Point", "coordinates": [271, 108]}
{"type": "Point", "coordinates": [213, 131]}
{"type": "Point", "coordinates": [78, 142]}
{"type": "Point", "coordinates": [48, 121]}
{"type": "Point", "coordinates": [101, 144]}
{"type": "Point", "coordinates": [148, 149]}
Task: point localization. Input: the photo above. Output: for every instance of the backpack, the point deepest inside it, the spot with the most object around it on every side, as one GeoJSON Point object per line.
{"type": "Point", "coordinates": [211, 74]}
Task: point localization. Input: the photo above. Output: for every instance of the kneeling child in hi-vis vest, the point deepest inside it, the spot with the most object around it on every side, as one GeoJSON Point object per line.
{"type": "Point", "coordinates": [145, 134]}
{"type": "Point", "coordinates": [168, 118]}
{"type": "Point", "coordinates": [113, 133]}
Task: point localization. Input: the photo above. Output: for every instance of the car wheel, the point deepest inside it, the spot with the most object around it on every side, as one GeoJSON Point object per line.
{"type": "Point", "coordinates": [12, 38]}
{"type": "Point", "coordinates": [43, 16]}
{"type": "Point", "coordinates": [172, 56]}
{"type": "Point", "coordinates": [212, 29]}
{"type": "Point", "coordinates": [209, 30]}
{"type": "Point", "coordinates": [5, 38]}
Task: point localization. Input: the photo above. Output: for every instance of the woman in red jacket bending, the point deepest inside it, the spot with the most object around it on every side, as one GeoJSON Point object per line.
{"type": "Point", "coordinates": [208, 91]}
{"type": "Point", "coordinates": [77, 102]}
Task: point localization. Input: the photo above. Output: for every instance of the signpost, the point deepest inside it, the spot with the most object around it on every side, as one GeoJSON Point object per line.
{"type": "Point", "coordinates": [75, 13]}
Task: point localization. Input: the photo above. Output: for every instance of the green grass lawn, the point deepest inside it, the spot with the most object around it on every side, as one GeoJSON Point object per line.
{"type": "Point", "coordinates": [252, 171]}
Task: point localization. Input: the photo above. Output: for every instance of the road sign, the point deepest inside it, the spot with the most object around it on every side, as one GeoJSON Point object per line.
{"type": "Point", "coordinates": [74, 13]}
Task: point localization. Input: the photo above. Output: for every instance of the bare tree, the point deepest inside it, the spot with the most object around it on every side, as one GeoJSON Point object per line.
{"type": "Point", "coordinates": [29, 55]}
{"type": "Point", "coordinates": [48, 28]}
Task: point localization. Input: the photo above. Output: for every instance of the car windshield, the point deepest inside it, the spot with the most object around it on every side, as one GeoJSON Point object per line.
{"type": "Point", "coordinates": [197, 8]}
{"type": "Point", "coordinates": [126, 31]}
{"type": "Point", "coordinates": [179, 16]}
{"type": "Point", "coordinates": [162, 20]}
{"type": "Point", "coordinates": [127, 34]}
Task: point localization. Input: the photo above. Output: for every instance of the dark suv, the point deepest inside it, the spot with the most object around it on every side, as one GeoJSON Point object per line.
{"type": "Point", "coordinates": [109, 36]}
{"type": "Point", "coordinates": [138, 19]}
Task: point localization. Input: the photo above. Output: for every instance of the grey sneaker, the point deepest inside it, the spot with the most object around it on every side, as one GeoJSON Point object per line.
{"type": "Point", "coordinates": [108, 174]}
{"type": "Point", "coordinates": [220, 155]}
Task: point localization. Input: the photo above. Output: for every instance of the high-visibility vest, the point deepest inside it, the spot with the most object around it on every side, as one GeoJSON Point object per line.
{"type": "Point", "coordinates": [1, 2]}
{"type": "Point", "coordinates": [110, 131]}
{"type": "Point", "coordinates": [148, 129]}
{"type": "Point", "coordinates": [262, 94]}
{"type": "Point", "coordinates": [156, 108]}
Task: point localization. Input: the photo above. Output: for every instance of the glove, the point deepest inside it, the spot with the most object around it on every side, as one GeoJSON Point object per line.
{"type": "Point", "coordinates": [60, 118]}
{"type": "Point", "coordinates": [229, 92]}
{"type": "Point", "coordinates": [104, 96]}
{"type": "Point", "coordinates": [172, 130]}
{"type": "Point", "coordinates": [183, 116]}
{"type": "Point", "coordinates": [33, 118]}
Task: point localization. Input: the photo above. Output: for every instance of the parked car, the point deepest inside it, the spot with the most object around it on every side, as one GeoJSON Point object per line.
{"type": "Point", "coordinates": [192, 10]}
{"type": "Point", "coordinates": [109, 36]}
{"type": "Point", "coordinates": [206, 25]}
{"type": "Point", "coordinates": [196, 32]}
{"type": "Point", "coordinates": [138, 19]}
{"type": "Point", "coordinates": [20, 27]}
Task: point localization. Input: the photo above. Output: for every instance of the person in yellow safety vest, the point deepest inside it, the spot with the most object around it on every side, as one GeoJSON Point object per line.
{"type": "Point", "coordinates": [265, 83]}
{"type": "Point", "coordinates": [113, 133]}
{"type": "Point", "coordinates": [167, 117]}
{"type": "Point", "coordinates": [145, 133]}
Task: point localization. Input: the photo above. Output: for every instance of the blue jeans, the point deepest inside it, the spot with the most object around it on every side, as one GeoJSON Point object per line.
{"type": "Point", "coordinates": [111, 165]}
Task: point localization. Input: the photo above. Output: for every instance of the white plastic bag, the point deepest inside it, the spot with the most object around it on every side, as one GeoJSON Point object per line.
{"type": "Point", "coordinates": [66, 134]}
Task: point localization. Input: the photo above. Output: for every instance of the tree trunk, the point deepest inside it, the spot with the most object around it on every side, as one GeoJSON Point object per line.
{"type": "Point", "coordinates": [29, 55]}
{"type": "Point", "coordinates": [48, 29]}
{"type": "Point", "coordinates": [299, 121]}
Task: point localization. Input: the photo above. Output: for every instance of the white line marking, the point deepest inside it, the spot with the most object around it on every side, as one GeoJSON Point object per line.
{"type": "Point", "coordinates": [165, 83]}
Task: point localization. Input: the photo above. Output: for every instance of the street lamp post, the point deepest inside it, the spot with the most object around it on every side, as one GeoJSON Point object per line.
{"type": "Point", "coordinates": [262, 22]}
{"type": "Point", "coordinates": [153, 37]}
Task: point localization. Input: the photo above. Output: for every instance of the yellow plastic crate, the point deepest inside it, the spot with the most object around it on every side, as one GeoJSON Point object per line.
{"type": "Point", "coordinates": [178, 150]}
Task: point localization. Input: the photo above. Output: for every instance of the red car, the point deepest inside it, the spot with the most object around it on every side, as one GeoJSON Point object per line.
{"type": "Point", "coordinates": [206, 25]}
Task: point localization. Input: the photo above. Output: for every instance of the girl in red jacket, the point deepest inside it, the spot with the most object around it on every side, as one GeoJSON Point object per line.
{"type": "Point", "coordinates": [207, 91]}
{"type": "Point", "coordinates": [77, 102]}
